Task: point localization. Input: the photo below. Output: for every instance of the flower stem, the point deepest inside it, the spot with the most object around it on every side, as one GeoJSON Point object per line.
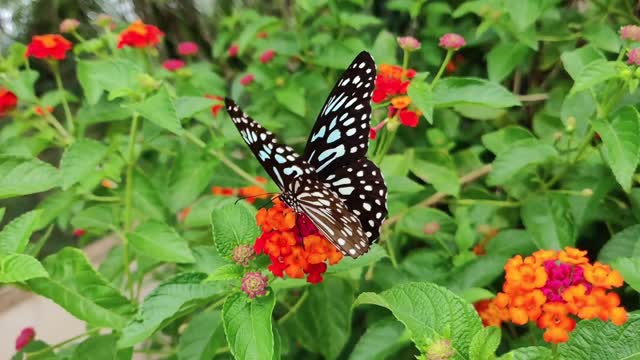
{"type": "Point", "coordinates": [225, 160]}
{"type": "Point", "coordinates": [60, 344]}
{"type": "Point", "coordinates": [554, 351]}
{"type": "Point", "coordinates": [133, 132]}
{"type": "Point", "coordinates": [447, 58]}
{"type": "Point", "coordinates": [294, 308]}
{"type": "Point", "coordinates": [65, 104]}
{"type": "Point", "coordinates": [67, 138]}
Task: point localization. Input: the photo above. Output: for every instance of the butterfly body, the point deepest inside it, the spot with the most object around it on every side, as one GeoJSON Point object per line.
{"type": "Point", "coordinates": [332, 183]}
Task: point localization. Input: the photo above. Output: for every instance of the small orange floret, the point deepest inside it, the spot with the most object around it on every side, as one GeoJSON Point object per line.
{"type": "Point", "coordinates": [490, 313]}
{"type": "Point", "coordinates": [400, 102]}
{"type": "Point", "coordinates": [573, 256]}
{"type": "Point", "coordinates": [526, 307]}
{"type": "Point", "coordinates": [602, 275]}
{"type": "Point", "coordinates": [541, 256]}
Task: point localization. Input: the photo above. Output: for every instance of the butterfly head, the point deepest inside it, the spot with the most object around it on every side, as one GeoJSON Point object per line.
{"type": "Point", "coordinates": [290, 200]}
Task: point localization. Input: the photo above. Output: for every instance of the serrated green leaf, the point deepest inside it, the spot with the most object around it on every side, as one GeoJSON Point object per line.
{"type": "Point", "coordinates": [501, 140]}
{"type": "Point", "coordinates": [528, 353]}
{"type": "Point", "coordinates": [247, 325]}
{"type": "Point", "coordinates": [484, 343]}
{"type": "Point", "coordinates": [292, 99]}
{"type": "Point", "coordinates": [147, 199]}
{"type": "Point", "coordinates": [422, 96]}
{"type": "Point", "coordinates": [83, 292]}
{"type": "Point", "coordinates": [380, 341]}
{"type": "Point", "coordinates": [510, 242]}
{"type": "Point", "coordinates": [596, 339]}
{"type": "Point", "coordinates": [54, 205]}
{"type": "Point", "coordinates": [574, 61]}
{"type": "Point", "coordinates": [15, 235]}
{"type": "Point", "coordinates": [438, 169]}
{"type": "Point", "coordinates": [621, 139]}
{"type": "Point", "coordinates": [79, 160]}
{"type": "Point", "coordinates": [430, 313]}
{"type": "Point", "coordinates": [187, 106]}
{"type": "Point", "coordinates": [20, 176]}
{"type": "Point", "coordinates": [161, 242]}
{"type": "Point", "coordinates": [323, 323]}
{"type": "Point", "coordinates": [169, 300]}
{"type": "Point", "coordinates": [622, 244]}
{"type": "Point", "coordinates": [594, 73]}
{"type": "Point", "coordinates": [203, 336]}
{"type": "Point", "coordinates": [504, 58]}
{"type": "Point", "coordinates": [414, 221]}
{"type": "Point", "coordinates": [603, 36]}
{"type": "Point", "coordinates": [548, 220]}
{"type": "Point", "coordinates": [101, 347]}
{"type": "Point", "coordinates": [160, 110]}
{"type": "Point", "coordinates": [457, 90]}
{"type": "Point", "coordinates": [629, 268]}
{"type": "Point", "coordinates": [20, 267]}
{"type": "Point", "coordinates": [23, 85]}
{"type": "Point", "coordinates": [521, 155]}
{"type": "Point", "coordinates": [97, 217]}
{"type": "Point", "coordinates": [233, 225]}
{"type": "Point", "coordinates": [114, 75]}
{"type": "Point", "coordinates": [226, 272]}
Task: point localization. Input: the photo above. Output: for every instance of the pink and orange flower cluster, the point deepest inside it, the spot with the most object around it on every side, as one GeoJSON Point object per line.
{"type": "Point", "coordinates": [293, 244]}
{"type": "Point", "coordinates": [553, 289]}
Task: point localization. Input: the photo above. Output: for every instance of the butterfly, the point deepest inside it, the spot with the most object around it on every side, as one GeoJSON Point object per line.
{"type": "Point", "coordinates": [333, 183]}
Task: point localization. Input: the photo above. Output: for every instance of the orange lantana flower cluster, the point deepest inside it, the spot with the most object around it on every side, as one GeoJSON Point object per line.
{"type": "Point", "coordinates": [293, 244]}
{"type": "Point", "coordinates": [139, 35]}
{"type": "Point", "coordinates": [553, 289]}
{"type": "Point", "coordinates": [250, 193]}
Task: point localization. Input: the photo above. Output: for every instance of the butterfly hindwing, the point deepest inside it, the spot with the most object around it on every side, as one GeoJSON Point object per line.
{"type": "Point", "coordinates": [361, 186]}
{"type": "Point", "coordinates": [281, 162]}
{"type": "Point", "coordinates": [340, 135]}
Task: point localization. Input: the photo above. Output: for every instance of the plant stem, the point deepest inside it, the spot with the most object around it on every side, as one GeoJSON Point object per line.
{"type": "Point", "coordinates": [392, 254]}
{"type": "Point", "coordinates": [225, 160]}
{"type": "Point", "coordinates": [128, 200]}
{"type": "Point", "coordinates": [60, 344]}
{"type": "Point", "coordinates": [65, 104]}
{"type": "Point", "coordinates": [294, 308]}
{"type": "Point", "coordinates": [102, 198]}
{"type": "Point", "coordinates": [487, 202]}
{"type": "Point", "coordinates": [581, 149]}
{"type": "Point", "coordinates": [447, 58]}
{"type": "Point", "coordinates": [57, 126]}
{"type": "Point", "coordinates": [554, 351]}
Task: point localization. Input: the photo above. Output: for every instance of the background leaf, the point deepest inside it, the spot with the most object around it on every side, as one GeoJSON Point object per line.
{"type": "Point", "coordinates": [596, 339]}
{"type": "Point", "coordinates": [15, 235]}
{"type": "Point", "coordinates": [20, 267]}
{"type": "Point", "coordinates": [80, 159]}
{"type": "Point", "coordinates": [25, 176]}
{"type": "Point", "coordinates": [203, 336]}
{"type": "Point", "coordinates": [160, 242]}
{"type": "Point", "coordinates": [548, 221]}
{"type": "Point", "coordinates": [160, 110]}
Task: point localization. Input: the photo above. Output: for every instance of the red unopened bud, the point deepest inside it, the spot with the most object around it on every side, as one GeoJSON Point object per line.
{"type": "Point", "coordinates": [26, 335]}
{"type": "Point", "coordinates": [79, 232]}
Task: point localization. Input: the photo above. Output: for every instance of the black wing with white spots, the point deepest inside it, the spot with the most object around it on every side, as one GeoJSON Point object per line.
{"type": "Point", "coordinates": [281, 162]}
{"type": "Point", "coordinates": [364, 192]}
{"type": "Point", "coordinates": [340, 135]}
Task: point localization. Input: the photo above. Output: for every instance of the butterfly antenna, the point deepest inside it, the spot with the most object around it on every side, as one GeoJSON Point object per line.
{"type": "Point", "coordinates": [268, 201]}
{"type": "Point", "coordinates": [252, 196]}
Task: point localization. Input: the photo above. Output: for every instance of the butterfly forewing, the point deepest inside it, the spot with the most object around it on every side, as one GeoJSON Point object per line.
{"type": "Point", "coordinates": [281, 162]}
{"type": "Point", "coordinates": [361, 186]}
{"type": "Point", "coordinates": [340, 135]}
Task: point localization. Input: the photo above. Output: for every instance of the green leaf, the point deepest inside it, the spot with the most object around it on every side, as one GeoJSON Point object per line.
{"type": "Point", "coordinates": [422, 96]}
{"type": "Point", "coordinates": [456, 90]}
{"type": "Point", "coordinates": [15, 235]}
{"type": "Point", "coordinates": [97, 76]}
{"type": "Point", "coordinates": [375, 254]}
{"type": "Point", "coordinates": [247, 325]}
{"type": "Point", "coordinates": [380, 341]}
{"type": "Point", "coordinates": [233, 225]}
{"type": "Point", "coordinates": [323, 323]}
{"type": "Point", "coordinates": [501, 140]}
{"type": "Point", "coordinates": [594, 73]}
{"type": "Point", "coordinates": [203, 336]}
{"type": "Point", "coordinates": [293, 99]}
{"type": "Point", "coordinates": [438, 169]}
{"type": "Point", "coordinates": [475, 294]}
{"type": "Point", "coordinates": [630, 270]}
{"type": "Point", "coordinates": [430, 313]}
{"type": "Point", "coordinates": [171, 299]}
{"type": "Point", "coordinates": [23, 85]}
{"type": "Point", "coordinates": [20, 267]}
{"type": "Point", "coordinates": [54, 205]}
{"type": "Point", "coordinates": [226, 272]}
{"type": "Point", "coordinates": [187, 106]}
{"type": "Point", "coordinates": [511, 242]}
{"type": "Point", "coordinates": [160, 242]}
{"type": "Point", "coordinates": [595, 339]}
{"type": "Point", "coordinates": [548, 220]}
{"type": "Point", "coordinates": [414, 221]}
{"type": "Point", "coordinates": [622, 244]}
{"type": "Point", "coordinates": [504, 58]}
{"type": "Point", "coordinates": [575, 60]}
{"type": "Point", "coordinates": [189, 177]}
{"type": "Point", "coordinates": [384, 48]}
{"type": "Point", "coordinates": [484, 343]}
{"type": "Point", "coordinates": [79, 160]}
{"type": "Point", "coordinates": [521, 155]}
{"type": "Point", "coordinates": [103, 111]}
{"type": "Point", "coordinates": [83, 292]}
{"type": "Point", "coordinates": [602, 36]}
{"type": "Point", "coordinates": [19, 176]}
{"type": "Point", "coordinates": [528, 353]}
{"type": "Point", "coordinates": [2, 210]}
{"type": "Point", "coordinates": [147, 198]}
{"type": "Point", "coordinates": [525, 12]}
{"type": "Point", "coordinates": [101, 347]}
{"type": "Point", "coordinates": [98, 217]}
{"type": "Point", "coordinates": [621, 139]}
{"type": "Point", "coordinates": [160, 110]}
